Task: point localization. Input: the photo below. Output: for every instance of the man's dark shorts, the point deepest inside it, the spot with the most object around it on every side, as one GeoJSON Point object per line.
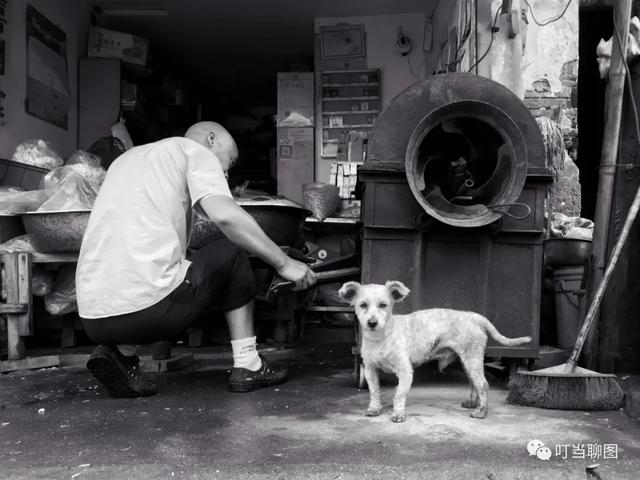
{"type": "Point", "coordinates": [220, 276]}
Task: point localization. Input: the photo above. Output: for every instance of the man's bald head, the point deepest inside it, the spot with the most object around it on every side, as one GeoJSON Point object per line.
{"type": "Point", "coordinates": [216, 138]}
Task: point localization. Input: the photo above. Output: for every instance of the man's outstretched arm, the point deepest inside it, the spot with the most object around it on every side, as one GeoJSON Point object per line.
{"type": "Point", "coordinates": [242, 229]}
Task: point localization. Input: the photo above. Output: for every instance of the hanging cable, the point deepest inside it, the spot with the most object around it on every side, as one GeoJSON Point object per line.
{"type": "Point", "coordinates": [493, 29]}
{"type": "Point", "coordinates": [435, 9]}
{"type": "Point", "coordinates": [544, 24]}
{"type": "Point", "coordinates": [466, 33]}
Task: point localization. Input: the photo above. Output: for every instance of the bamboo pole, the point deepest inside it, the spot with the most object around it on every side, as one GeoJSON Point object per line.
{"type": "Point", "coordinates": [607, 171]}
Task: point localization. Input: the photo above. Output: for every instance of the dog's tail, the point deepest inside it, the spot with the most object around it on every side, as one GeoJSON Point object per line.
{"type": "Point", "coordinates": [498, 337]}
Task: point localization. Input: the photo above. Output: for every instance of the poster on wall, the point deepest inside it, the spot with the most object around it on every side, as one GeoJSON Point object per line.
{"type": "Point", "coordinates": [47, 79]}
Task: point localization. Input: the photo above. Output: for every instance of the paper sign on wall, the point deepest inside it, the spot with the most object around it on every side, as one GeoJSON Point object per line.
{"type": "Point", "coordinates": [47, 79]}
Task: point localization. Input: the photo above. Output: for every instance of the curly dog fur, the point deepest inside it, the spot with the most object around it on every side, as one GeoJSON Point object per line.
{"type": "Point", "coordinates": [398, 343]}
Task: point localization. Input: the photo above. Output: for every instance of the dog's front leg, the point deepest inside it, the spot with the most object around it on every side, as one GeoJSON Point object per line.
{"type": "Point", "coordinates": [405, 379]}
{"type": "Point", "coordinates": [373, 381]}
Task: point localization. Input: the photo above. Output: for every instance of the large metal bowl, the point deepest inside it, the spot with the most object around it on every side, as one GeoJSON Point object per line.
{"type": "Point", "coordinates": [566, 252]}
{"type": "Point", "coordinates": [282, 221]}
{"type": "Point", "coordinates": [57, 232]}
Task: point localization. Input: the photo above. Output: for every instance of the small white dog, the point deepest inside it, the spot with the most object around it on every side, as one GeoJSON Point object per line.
{"type": "Point", "coordinates": [397, 343]}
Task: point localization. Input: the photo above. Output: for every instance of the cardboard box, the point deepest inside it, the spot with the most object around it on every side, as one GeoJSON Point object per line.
{"type": "Point", "coordinates": [295, 161]}
{"type": "Point", "coordinates": [129, 48]}
{"type": "Point", "coordinates": [295, 99]}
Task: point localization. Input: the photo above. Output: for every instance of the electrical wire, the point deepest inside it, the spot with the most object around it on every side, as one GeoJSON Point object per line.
{"type": "Point", "coordinates": [493, 27]}
{"type": "Point", "coordinates": [457, 59]}
{"type": "Point", "coordinates": [435, 9]}
{"type": "Point", "coordinates": [544, 24]}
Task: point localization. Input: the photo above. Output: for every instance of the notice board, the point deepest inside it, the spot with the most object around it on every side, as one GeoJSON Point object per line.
{"type": "Point", "coordinates": [47, 79]}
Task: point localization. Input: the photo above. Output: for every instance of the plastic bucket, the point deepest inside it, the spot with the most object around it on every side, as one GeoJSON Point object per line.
{"type": "Point", "coordinates": [569, 300]}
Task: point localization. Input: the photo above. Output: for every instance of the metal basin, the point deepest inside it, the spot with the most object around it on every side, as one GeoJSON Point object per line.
{"type": "Point", "coordinates": [56, 232]}
{"type": "Point", "coordinates": [565, 252]}
{"type": "Point", "coordinates": [281, 219]}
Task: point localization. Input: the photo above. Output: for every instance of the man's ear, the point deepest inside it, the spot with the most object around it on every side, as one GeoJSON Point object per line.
{"type": "Point", "coordinates": [211, 139]}
{"type": "Point", "coordinates": [397, 290]}
{"type": "Point", "coordinates": [348, 291]}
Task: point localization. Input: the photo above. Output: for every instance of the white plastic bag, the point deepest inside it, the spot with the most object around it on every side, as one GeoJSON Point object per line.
{"type": "Point", "coordinates": [87, 165]}
{"type": "Point", "coordinates": [17, 245]}
{"type": "Point", "coordinates": [19, 202]}
{"type": "Point", "coordinates": [68, 191]}
{"type": "Point", "coordinates": [578, 228]}
{"type": "Point", "coordinates": [62, 298]}
{"type": "Point", "coordinates": [119, 130]}
{"type": "Point", "coordinates": [37, 153]}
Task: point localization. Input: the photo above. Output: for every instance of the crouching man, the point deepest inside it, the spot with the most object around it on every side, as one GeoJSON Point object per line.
{"type": "Point", "coordinates": [137, 283]}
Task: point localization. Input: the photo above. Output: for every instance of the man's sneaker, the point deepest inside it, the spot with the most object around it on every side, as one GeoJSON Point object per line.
{"type": "Point", "coordinates": [120, 375]}
{"type": "Point", "coordinates": [245, 380]}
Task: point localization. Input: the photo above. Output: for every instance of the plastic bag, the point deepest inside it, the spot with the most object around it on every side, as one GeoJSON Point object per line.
{"type": "Point", "coordinates": [604, 49]}
{"type": "Point", "coordinates": [41, 281]}
{"type": "Point", "coordinates": [68, 190]}
{"type": "Point", "coordinates": [10, 189]}
{"type": "Point", "coordinates": [17, 244]}
{"type": "Point", "coordinates": [18, 202]}
{"type": "Point", "coordinates": [87, 165]}
{"type": "Point", "coordinates": [37, 153]}
{"type": "Point", "coordinates": [119, 131]}
{"type": "Point", "coordinates": [62, 298]}
{"type": "Point", "coordinates": [563, 226]}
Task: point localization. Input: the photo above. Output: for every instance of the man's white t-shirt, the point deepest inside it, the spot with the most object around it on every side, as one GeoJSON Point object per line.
{"type": "Point", "coordinates": [133, 251]}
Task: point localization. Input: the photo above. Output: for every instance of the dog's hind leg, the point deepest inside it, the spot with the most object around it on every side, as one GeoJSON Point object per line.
{"type": "Point", "coordinates": [473, 362]}
{"type": "Point", "coordinates": [405, 379]}
{"type": "Point", "coordinates": [373, 381]}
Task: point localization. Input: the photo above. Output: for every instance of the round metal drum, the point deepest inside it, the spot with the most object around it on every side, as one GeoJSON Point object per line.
{"type": "Point", "coordinates": [465, 143]}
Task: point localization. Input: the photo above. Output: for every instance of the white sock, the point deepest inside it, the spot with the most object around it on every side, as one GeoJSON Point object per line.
{"type": "Point", "coordinates": [245, 354]}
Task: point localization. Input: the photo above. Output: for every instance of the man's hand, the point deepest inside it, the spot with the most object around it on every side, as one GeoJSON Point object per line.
{"type": "Point", "coordinates": [297, 272]}
{"type": "Point", "coordinates": [242, 229]}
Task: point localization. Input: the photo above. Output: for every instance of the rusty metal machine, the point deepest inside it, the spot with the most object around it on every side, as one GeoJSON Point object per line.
{"type": "Point", "coordinates": [453, 203]}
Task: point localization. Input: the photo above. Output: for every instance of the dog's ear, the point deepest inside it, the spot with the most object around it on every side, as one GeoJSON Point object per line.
{"type": "Point", "coordinates": [348, 291]}
{"type": "Point", "coordinates": [397, 290]}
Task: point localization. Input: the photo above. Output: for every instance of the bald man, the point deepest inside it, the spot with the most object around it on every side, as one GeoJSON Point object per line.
{"type": "Point", "coordinates": [136, 282]}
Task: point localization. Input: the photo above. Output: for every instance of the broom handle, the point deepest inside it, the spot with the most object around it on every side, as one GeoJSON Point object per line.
{"type": "Point", "coordinates": [597, 298]}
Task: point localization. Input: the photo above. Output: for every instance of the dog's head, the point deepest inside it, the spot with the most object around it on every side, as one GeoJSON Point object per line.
{"type": "Point", "coordinates": [373, 303]}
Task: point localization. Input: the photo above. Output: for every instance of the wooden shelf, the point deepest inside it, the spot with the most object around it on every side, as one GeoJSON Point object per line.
{"type": "Point", "coordinates": [346, 99]}
{"type": "Point", "coordinates": [354, 89]}
{"type": "Point", "coordinates": [351, 112]}
{"type": "Point", "coordinates": [355, 84]}
{"type": "Point", "coordinates": [364, 70]}
{"type": "Point", "coordinates": [362, 125]}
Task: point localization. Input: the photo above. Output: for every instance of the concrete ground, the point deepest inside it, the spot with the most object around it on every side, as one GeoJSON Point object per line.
{"type": "Point", "coordinates": [58, 424]}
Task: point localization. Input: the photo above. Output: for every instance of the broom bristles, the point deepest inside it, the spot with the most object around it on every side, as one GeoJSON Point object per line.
{"type": "Point", "coordinates": [588, 392]}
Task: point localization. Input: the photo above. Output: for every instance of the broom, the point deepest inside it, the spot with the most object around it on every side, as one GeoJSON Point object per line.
{"type": "Point", "coordinates": [567, 386]}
